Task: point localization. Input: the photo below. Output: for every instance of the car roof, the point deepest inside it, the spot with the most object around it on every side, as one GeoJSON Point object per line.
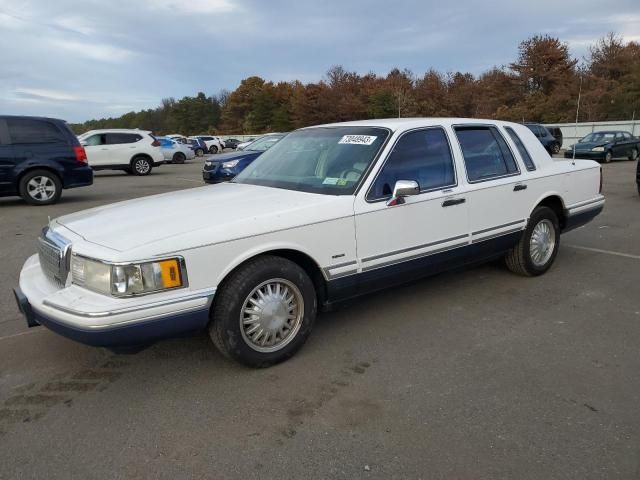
{"type": "Point", "coordinates": [611, 131]}
{"type": "Point", "coordinates": [33, 117]}
{"type": "Point", "coordinates": [394, 124]}
{"type": "Point", "coordinates": [118, 130]}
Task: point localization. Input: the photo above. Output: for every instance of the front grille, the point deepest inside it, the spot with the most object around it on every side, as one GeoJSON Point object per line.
{"type": "Point", "coordinates": [53, 252]}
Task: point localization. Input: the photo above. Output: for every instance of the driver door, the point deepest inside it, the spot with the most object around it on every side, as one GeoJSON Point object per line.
{"type": "Point", "coordinates": [97, 149]}
{"type": "Point", "coordinates": [429, 230]}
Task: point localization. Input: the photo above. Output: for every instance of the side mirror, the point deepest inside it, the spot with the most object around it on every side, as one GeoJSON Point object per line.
{"type": "Point", "coordinates": [84, 144]}
{"type": "Point", "coordinates": [402, 189]}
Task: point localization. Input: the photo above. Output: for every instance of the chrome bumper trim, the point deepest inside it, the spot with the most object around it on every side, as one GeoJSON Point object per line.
{"type": "Point", "coordinates": [162, 303]}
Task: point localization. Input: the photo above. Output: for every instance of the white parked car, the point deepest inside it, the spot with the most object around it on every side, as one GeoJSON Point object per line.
{"type": "Point", "coordinates": [134, 151]}
{"type": "Point", "coordinates": [329, 213]}
{"type": "Point", "coordinates": [174, 151]}
{"type": "Point", "coordinates": [214, 144]}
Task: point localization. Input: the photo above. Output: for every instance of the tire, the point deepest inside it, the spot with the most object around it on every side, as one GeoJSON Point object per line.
{"type": "Point", "coordinates": [199, 152]}
{"type": "Point", "coordinates": [634, 154]}
{"type": "Point", "coordinates": [179, 157]}
{"type": "Point", "coordinates": [231, 326]}
{"type": "Point", "coordinates": [141, 166]}
{"type": "Point", "coordinates": [521, 259]}
{"type": "Point", "coordinates": [555, 149]}
{"type": "Point", "coordinates": [40, 187]}
{"type": "Point", "coordinates": [213, 149]}
{"type": "Point", "coordinates": [608, 157]}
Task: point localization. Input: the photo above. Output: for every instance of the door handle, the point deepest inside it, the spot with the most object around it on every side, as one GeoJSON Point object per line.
{"type": "Point", "coordinates": [519, 187]}
{"type": "Point", "coordinates": [453, 201]}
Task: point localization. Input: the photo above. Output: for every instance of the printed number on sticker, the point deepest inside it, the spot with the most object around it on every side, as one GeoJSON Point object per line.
{"type": "Point", "coordinates": [358, 139]}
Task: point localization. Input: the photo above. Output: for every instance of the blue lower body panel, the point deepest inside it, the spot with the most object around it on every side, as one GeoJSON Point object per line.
{"type": "Point", "coordinates": [120, 336]}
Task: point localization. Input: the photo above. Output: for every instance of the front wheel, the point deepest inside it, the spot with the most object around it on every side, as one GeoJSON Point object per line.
{"type": "Point", "coordinates": [634, 154]}
{"type": "Point", "coordinates": [40, 187]}
{"type": "Point", "coordinates": [213, 149]}
{"type": "Point", "coordinates": [608, 157]}
{"type": "Point", "coordinates": [141, 166]}
{"type": "Point", "coordinates": [537, 249]}
{"type": "Point", "coordinates": [264, 312]}
{"type": "Point", "coordinates": [199, 152]}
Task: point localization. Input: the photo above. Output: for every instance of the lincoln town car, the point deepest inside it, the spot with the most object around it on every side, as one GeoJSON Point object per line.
{"type": "Point", "coordinates": [327, 214]}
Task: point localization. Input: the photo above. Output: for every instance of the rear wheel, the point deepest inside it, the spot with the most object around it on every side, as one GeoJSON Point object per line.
{"type": "Point", "coordinates": [199, 152]}
{"type": "Point", "coordinates": [264, 312]}
{"type": "Point", "coordinates": [634, 154]}
{"type": "Point", "coordinates": [213, 149]}
{"type": "Point", "coordinates": [179, 157]}
{"type": "Point", "coordinates": [537, 249]}
{"type": "Point", "coordinates": [141, 166]}
{"type": "Point", "coordinates": [40, 187]}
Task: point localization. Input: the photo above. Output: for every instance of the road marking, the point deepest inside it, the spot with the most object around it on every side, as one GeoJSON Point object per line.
{"type": "Point", "coordinates": [18, 334]}
{"type": "Point", "coordinates": [190, 180]}
{"type": "Point", "coordinates": [607, 252]}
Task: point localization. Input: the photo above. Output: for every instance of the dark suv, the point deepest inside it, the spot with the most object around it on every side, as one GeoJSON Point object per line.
{"type": "Point", "coordinates": [38, 158]}
{"type": "Point", "coordinates": [547, 140]}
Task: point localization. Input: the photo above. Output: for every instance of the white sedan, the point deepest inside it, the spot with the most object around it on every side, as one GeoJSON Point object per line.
{"type": "Point", "coordinates": [327, 214]}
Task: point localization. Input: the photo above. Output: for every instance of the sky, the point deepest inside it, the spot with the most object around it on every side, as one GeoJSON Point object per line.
{"type": "Point", "coordinates": [79, 60]}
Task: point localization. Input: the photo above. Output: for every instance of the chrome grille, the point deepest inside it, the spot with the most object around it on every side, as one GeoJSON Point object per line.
{"type": "Point", "coordinates": [53, 254]}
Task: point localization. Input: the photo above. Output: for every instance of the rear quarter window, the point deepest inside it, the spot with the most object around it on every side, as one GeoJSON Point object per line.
{"type": "Point", "coordinates": [34, 131]}
{"type": "Point", "coordinates": [526, 158]}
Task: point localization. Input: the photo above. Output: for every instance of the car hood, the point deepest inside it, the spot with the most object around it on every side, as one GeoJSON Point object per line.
{"type": "Point", "coordinates": [241, 155]}
{"type": "Point", "coordinates": [204, 215]}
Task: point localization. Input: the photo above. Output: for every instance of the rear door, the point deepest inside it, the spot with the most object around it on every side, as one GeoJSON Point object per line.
{"type": "Point", "coordinates": [7, 160]}
{"type": "Point", "coordinates": [497, 196]}
{"type": "Point", "coordinates": [121, 147]}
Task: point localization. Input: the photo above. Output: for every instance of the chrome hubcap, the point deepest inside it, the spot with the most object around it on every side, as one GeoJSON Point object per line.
{"type": "Point", "coordinates": [142, 166]}
{"type": "Point", "coordinates": [41, 188]}
{"type": "Point", "coordinates": [542, 243]}
{"type": "Point", "coordinates": [271, 315]}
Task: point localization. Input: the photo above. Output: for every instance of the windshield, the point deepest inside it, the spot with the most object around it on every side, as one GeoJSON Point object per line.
{"type": "Point", "coordinates": [597, 137]}
{"type": "Point", "coordinates": [263, 144]}
{"type": "Point", "coordinates": [330, 160]}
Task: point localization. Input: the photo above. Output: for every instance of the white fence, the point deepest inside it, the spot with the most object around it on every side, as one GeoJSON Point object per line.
{"type": "Point", "coordinates": [571, 133]}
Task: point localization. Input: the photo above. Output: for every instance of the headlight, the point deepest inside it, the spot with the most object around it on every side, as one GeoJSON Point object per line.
{"type": "Point", "coordinates": [597, 149]}
{"type": "Point", "coordinates": [207, 164]}
{"type": "Point", "coordinates": [230, 164]}
{"type": "Point", "coordinates": [127, 280]}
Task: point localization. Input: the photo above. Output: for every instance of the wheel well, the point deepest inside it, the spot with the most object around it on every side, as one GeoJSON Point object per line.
{"type": "Point", "coordinates": [304, 261]}
{"type": "Point", "coordinates": [31, 169]}
{"type": "Point", "coordinates": [555, 203]}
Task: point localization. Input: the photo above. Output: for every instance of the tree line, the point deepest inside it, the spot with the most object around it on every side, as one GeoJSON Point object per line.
{"type": "Point", "coordinates": [541, 85]}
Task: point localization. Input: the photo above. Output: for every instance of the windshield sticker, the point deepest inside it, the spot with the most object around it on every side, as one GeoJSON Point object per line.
{"type": "Point", "coordinates": [330, 181]}
{"type": "Point", "coordinates": [342, 182]}
{"type": "Point", "coordinates": [357, 139]}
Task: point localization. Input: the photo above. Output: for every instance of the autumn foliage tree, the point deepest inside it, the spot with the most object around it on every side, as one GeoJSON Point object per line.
{"type": "Point", "coordinates": [540, 85]}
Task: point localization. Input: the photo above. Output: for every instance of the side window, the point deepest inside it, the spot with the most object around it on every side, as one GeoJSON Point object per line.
{"type": "Point", "coordinates": [423, 156]}
{"type": "Point", "coordinates": [94, 140]}
{"type": "Point", "coordinates": [27, 130]}
{"type": "Point", "coordinates": [486, 154]}
{"type": "Point", "coordinates": [627, 136]}
{"type": "Point", "coordinates": [164, 142]}
{"type": "Point", "coordinates": [521, 149]}
{"type": "Point", "coordinates": [120, 138]}
{"type": "Point", "coordinates": [619, 136]}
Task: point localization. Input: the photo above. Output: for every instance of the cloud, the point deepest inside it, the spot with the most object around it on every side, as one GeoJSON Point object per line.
{"type": "Point", "coordinates": [96, 51]}
{"type": "Point", "coordinates": [205, 7]}
{"type": "Point", "coordinates": [47, 95]}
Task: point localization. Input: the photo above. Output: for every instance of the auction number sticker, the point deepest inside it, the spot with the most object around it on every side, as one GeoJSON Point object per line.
{"type": "Point", "coordinates": [357, 139]}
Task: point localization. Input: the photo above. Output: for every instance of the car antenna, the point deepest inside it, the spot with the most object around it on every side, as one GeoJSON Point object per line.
{"type": "Point", "coordinates": [575, 132]}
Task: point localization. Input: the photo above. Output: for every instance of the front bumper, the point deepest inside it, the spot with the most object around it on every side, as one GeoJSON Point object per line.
{"type": "Point", "coordinates": [218, 175]}
{"type": "Point", "coordinates": [99, 320]}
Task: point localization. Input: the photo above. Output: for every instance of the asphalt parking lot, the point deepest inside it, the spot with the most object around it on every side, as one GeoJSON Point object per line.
{"type": "Point", "coordinates": [468, 375]}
